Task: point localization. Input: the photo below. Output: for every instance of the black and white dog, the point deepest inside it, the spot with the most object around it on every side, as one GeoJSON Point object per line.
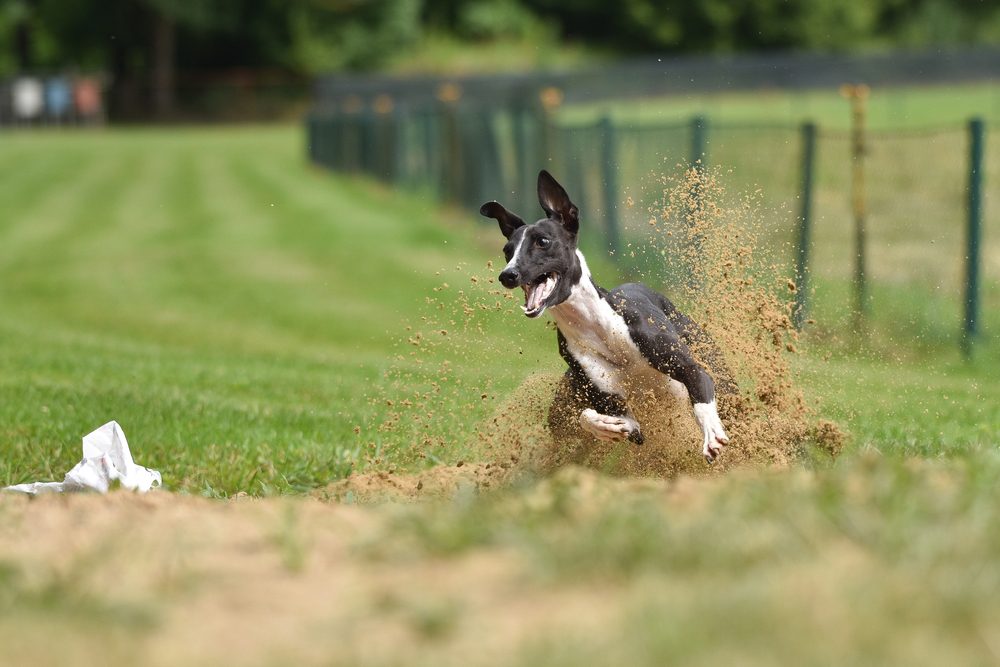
{"type": "Point", "coordinates": [617, 343]}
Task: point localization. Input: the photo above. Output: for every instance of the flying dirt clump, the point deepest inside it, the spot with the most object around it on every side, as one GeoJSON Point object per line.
{"type": "Point", "coordinates": [701, 248]}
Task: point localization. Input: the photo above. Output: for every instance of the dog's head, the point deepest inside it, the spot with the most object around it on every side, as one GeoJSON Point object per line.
{"type": "Point", "coordinates": [541, 257]}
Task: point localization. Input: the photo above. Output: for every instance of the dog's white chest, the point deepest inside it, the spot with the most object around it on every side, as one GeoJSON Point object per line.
{"type": "Point", "coordinates": [599, 340]}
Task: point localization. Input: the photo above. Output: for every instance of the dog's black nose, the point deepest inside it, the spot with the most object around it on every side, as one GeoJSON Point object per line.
{"type": "Point", "coordinates": [509, 278]}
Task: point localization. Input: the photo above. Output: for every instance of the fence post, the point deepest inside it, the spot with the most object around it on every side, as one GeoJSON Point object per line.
{"type": "Point", "coordinates": [492, 169]}
{"type": "Point", "coordinates": [312, 126]}
{"type": "Point", "coordinates": [977, 136]}
{"type": "Point", "coordinates": [805, 225]}
{"type": "Point", "coordinates": [610, 182]}
{"type": "Point", "coordinates": [400, 146]}
{"type": "Point", "coordinates": [451, 147]}
{"type": "Point", "coordinates": [430, 122]}
{"type": "Point", "coordinates": [346, 140]}
{"type": "Point", "coordinates": [699, 139]}
{"type": "Point", "coordinates": [857, 95]}
{"type": "Point", "coordinates": [368, 153]}
{"type": "Point", "coordinates": [549, 98]}
{"type": "Point", "coordinates": [448, 95]}
{"type": "Point", "coordinates": [384, 138]}
{"type": "Point", "coordinates": [698, 162]}
{"type": "Point", "coordinates": [527, 170]}
{"type": "Point", "coordinates": [323, 144]}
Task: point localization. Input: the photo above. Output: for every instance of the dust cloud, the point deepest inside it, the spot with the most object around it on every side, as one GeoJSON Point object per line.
{"type": "Point", "coordinates": [701, 247]}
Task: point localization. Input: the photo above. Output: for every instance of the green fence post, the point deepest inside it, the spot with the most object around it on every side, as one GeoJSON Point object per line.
{"type": "Point", "coordinates": [311, 139]}
{"type": "Point", "coordinates": [492, 170]}
{"type": "Point", "coordinates": [451, 153]}
{"type": "Point", "coordinates": [977, 137]}
{"type": "Point", "coordinates": [698, 162]}
{"type": "Point", "coordinates": [319, 140]}
{"type": "Point", "coordinates": [323, 140]}
{"type": "Point", "coordinates": [526, 170]}
{"type": "Point", "coordinates": [609, 174]}
{"type": "Point", "coordinates": [341, 159]}
{"type": "Point", "coordinates": [354, 133]}
{"type": "Point", "coordinates": [368, 153]}
{"type": "Point", "coordinates": [473, 158]}
{"type": "Point", "coordinates": [380, 142]}
{"type": "Point", "coordinates": [699, 139]}
{"type": "Point", "coordinates": [430, 122]}
{"type": "Point", "coordinates": [400, 147]}
{"type": "Point", "coordinates": [805, 225]}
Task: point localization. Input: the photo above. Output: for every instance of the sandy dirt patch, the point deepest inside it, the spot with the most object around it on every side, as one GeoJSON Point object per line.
{"type": "Point", "coordinates": [165, 579]}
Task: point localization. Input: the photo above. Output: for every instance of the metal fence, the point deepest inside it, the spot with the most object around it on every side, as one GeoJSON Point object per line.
{"type": "Point", "coordinates": [922, 187]}
{"type": "Point", "coordinates": [656, 76]}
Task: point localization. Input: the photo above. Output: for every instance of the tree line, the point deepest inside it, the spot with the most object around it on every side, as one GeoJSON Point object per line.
{"type": "Point", "coordinates": [142, 44]}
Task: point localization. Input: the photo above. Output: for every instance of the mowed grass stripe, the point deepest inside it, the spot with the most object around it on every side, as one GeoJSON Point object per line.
{"type": "Point", "coordinates": [230, 283]}
{"type": "Point", "coordinates": [61, 206]}
{"type": "Point", "coordinates": [29, 175]}
{"type": "Point", "coordinates": [94, 278]}
{"type": "Point", "coordinates": [28, 186]}
{"type": "Point", "coordinates": [84, 240]}
{"type": "Point", "coordinates": [323, 244]}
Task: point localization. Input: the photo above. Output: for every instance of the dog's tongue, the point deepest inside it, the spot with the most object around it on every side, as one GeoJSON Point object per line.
{"type": "Point", "coordinates": [535, 296]}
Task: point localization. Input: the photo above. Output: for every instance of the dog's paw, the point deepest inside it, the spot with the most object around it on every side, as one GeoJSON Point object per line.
{"type": "Point", "coordinates": [610, 428]}
{"type": "Point", "coordinates": [714, 441]}
{"type": "Point", "coordinates": [714, 435]}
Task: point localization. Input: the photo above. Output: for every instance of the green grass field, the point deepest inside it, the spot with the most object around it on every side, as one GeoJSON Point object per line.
{"type": "Point", "coordinates": [236, 311]}
{"type": "Point", "coordinates": [230, 307]}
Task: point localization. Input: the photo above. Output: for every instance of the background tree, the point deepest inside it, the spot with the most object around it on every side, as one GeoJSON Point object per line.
{"type": "Point", "coordinates": [145, 45]}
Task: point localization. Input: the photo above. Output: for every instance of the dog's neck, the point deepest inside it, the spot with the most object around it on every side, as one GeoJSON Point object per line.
{"type": "Point", "coordinates": [584, 302]}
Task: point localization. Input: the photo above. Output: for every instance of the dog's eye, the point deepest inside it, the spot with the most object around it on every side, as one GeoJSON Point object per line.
{"type": "Point", "coordinates": [543, 242]}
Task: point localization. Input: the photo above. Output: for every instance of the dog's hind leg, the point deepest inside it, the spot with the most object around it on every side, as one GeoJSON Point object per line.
{"type": "Point", "coordinates": [610, 427]}
{"type": "Point", "coordinates": [579, 404]}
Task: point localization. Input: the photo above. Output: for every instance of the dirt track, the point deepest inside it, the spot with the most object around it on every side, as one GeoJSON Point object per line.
{"type": "Point", "coordinates": [94, 580]}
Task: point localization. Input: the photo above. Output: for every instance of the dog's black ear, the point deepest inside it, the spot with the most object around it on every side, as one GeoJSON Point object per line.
{"type": "Point", "coordinates": [508, 221]}
{"type": "Point", "coordinates": [555, 202]}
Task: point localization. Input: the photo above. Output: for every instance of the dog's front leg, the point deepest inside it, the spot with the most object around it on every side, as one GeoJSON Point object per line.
{"type": "Point", "coordinates": [714, 435]}
{"type": "Point", "coordinates": [669, 355]}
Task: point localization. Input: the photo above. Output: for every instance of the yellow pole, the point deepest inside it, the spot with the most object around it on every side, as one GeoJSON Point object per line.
{"type": "Point", "coordinates": [858, 97]}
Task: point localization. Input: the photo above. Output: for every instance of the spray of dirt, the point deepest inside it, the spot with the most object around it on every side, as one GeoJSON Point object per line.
{"type": "Point", "coordinates": [713, 245]}
{"type": "Point", "coordinates": [701, 248]}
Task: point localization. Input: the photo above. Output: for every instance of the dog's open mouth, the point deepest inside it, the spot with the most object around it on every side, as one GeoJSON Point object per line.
{"type": "Point", "coordinates": [536, 294]}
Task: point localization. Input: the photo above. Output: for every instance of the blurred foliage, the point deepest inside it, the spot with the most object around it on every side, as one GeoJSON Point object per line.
{"type": "Point", "coordinates": [150, 49]}
{"type": "Point", "coordinates": [322, 35]}
{"type": "Point", "coordinates": [302, 36]}
{"type": "Point", "coordinates": [719, 25]}
{"type": "Point", "coordinates": [495, 19]}
{"type": "Point", "coordinates": [306, 36]}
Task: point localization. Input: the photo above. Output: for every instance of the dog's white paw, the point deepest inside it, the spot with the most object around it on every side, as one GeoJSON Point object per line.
{"type": "Point", "coordinates": [715, 437]}
{"type": "Point", "coordinates": [608, 427]}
